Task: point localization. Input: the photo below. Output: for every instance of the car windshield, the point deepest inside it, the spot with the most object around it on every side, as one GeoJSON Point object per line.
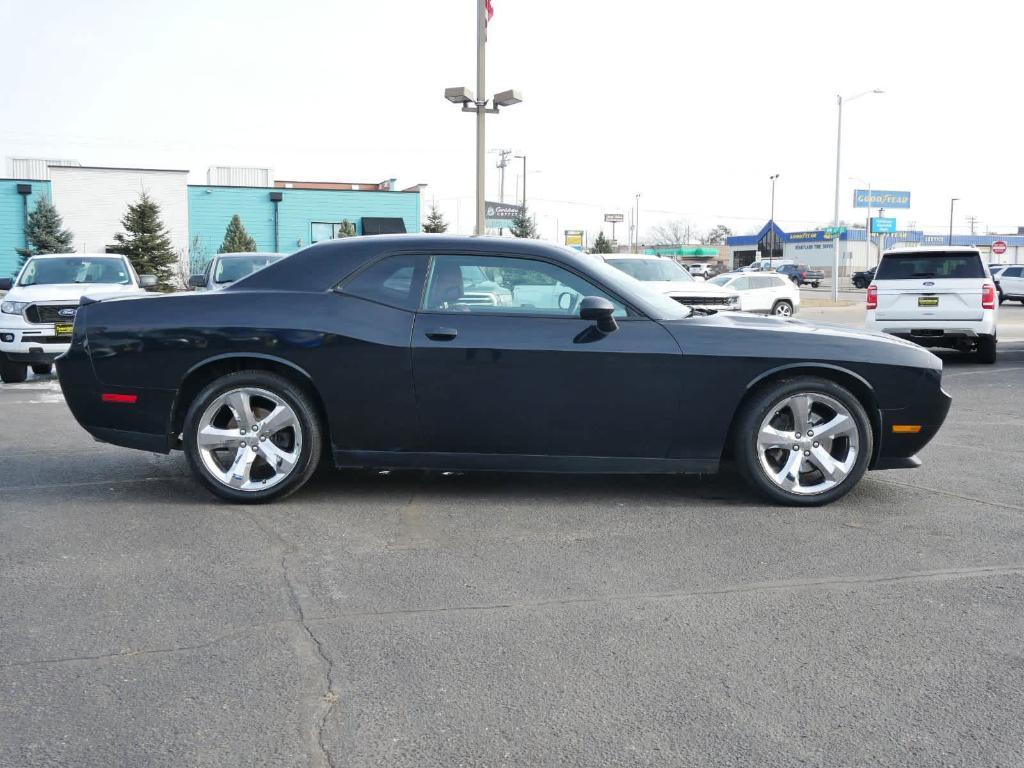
{"type": "Point", "coordinates": [927, 264]}
{"type": "Point", "coordinates": [721, 279]}
{"type": "Point", "coordinates": [232, 268]}
{"type": "Point", "coordinates": [75, 269]}
{"type": "Point", "coordinates": [651, 270]}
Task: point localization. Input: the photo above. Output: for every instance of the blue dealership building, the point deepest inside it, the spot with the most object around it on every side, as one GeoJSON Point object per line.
{"type": "Point", "coordinates": [281, 216]}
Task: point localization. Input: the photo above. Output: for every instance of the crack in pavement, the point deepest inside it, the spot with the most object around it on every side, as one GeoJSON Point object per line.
{"type": "Point", "coordinates": [950, 494]}
{"type": "Point", "coordinates": [330, 697]}
{"type": "Point", "coordinates": [790, 585]}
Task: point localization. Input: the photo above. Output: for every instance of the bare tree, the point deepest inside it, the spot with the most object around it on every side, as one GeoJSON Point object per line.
{"type": "Point", "coordinates": [674, 232]}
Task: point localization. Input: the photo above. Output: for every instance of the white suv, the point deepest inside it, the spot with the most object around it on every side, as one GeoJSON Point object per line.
{"type": "Point", "coordinates": [936, 297]}
{"type": "Point", "coordinates": [665, 276]}
{"type": "Point", "coordinates": [770, 294]}
{"type": "Point", "coordinates": [38, 313]}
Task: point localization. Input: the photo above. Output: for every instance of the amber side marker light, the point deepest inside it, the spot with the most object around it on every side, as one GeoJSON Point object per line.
{"type": "Point", "coordinates": [114, 397]}
{"type": "Point", "coordinates": [906, 429]}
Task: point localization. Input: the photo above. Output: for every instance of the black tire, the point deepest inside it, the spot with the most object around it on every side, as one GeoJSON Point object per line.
{"type": "Point", "coordinates": [12, 373]}
{"type": "Point", "coordinates": [42, 369]}
{"type": "Point", "coordinates": [1021, 301]}
{"type": "Point", "coordinates": [858, 283]}
{"type": "Point", "coordinates": [781, 305]}
{"type": "Point", "coordinates": [1002, 298]}
{"type": "Point", "coordinates": [301, 405]}
{"type": "Point", "coordinates": [757, 408]}
{"type": "Point", "coordinates": [815, 285]}
{"type": "Point", "coordinates": [986, 350]}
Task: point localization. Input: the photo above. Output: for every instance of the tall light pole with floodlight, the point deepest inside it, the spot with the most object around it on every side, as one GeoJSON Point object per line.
{"type": "Point", "coordinates": [835, 217]}
{"type": "Point", "coordinates": [478, 104]}
{"type": "Point", "coordinates": [773, 179]}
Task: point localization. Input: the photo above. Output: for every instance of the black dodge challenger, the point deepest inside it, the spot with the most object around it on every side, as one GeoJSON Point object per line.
{"type": "Point", "coordinates": [451, 353]}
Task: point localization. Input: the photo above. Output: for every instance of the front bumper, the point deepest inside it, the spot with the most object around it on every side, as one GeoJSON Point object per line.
{"type": "Point", "coordinates": [898, 449]}
{"type": "Point", "coordinates": [36, 345]}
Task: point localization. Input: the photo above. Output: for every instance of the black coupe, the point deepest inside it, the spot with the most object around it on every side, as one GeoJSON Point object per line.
{"type": "Point", "coordinates": [450, 353]}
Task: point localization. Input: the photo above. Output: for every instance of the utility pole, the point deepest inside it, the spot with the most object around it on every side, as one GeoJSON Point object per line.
{"type": "Point", "coordinates": [952, 200]}
{"type": "Point", "coordinates": [972, 220]}
{"type": "Point", "coordinates": [503, 156]}
{"type": "Point", "coordinates": [523, 158]}
{"type": "Point", "coordinates": [636, 222]}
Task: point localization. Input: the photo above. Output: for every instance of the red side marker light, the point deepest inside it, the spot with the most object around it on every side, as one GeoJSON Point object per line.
{"type": "Point", "coordinates": [114, 397]}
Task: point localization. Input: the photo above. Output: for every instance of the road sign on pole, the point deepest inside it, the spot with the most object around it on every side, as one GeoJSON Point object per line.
{"type": "Point", "coordinates": [881, 225]}
{"type": "Point", "coordinates": [999, 247]}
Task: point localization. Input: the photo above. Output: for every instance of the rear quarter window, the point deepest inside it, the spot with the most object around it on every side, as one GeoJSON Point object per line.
{"type": "Point", "coordinates": [930, 264]}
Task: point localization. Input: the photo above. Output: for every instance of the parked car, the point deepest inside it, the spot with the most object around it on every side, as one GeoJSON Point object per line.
{"type": "Point", "coordinates": [939, 297]}
{"type": "Point", "coordinates": [863, 278]}
{"type": "Point", "coordinates": [801, 274]}
{"type": "Point", "coordinates": [763, 294]}
{"type": "Point", "coordinates": [704, 270]}
{"type": "Point", "coordinates": [39, 309]}
{"type": "Point", "coordinates": [767, 265]}
{"type": "Point", "coordinates": [1010, 283]}
{"type": "Point", "coordinates": [227, 268]}
{"type": "Point", "coordinates": [322, 354]}
{"type": "Point", "coordinates": [665, 276]}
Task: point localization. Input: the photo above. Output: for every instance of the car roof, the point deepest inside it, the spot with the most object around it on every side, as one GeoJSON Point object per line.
{"type": "Point", "coordinates": [77, 255]}
{"type": "Point", "coordinates": [647, 256]}
{"type": "Point", "coordinates": [248, 253]}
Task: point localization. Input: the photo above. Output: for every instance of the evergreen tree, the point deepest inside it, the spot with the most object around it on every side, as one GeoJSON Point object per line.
{"type": "Point", "coordinates": [435, 221]}
{"type": "Point", "coordinates": [602, 244]}
{"type": "Point", "coordinates": [346, 229]}
{"type": "Point", "coordinates": [523, 225]}
{"type": "Point", "coordinates": [44, 232]}
{"type": "Point", "coordinates": [236, 239]}
{"type": "Point", "coordinates": [146, 243]}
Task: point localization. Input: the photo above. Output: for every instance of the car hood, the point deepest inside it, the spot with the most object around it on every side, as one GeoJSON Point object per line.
{"type": "Point", "coordinates": [756, 335]}
{"type": "Point", "coordinates": [687, 288]}
{"type": "Point", "coordinates": [68, 292]}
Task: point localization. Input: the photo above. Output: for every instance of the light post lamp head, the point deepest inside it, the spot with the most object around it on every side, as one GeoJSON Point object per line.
{"type": "Point", "coordinates": [507, 98]}
{"type": "Point", "coordinates": [459, 95]}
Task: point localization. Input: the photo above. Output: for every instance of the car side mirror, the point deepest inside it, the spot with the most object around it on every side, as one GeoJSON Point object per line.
{"type": "Point", "coordinates": [197, 281]}
{"type": "Point", "coordinates": [6, 283]}
{"type": "Point", "coordinates": [601, 311]}
{"type": "Point", "coordinates": [147, 281]}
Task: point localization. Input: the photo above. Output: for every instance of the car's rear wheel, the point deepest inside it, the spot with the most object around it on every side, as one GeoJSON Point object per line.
{"type": "Point", "coordinates": [986, 349]}
{"type": "Point", "coordinates": [803, 442]}
{"type": "Point", "coordinates": [11, 372]}
{"type": "Point", "coordinates": [42, 369]}
{"type": "Point", "coordinates": [252, 436]}
{"type": "Point", "coordinates": [782, 309]}
{"type": "Point", "coordinates": [815, 285]}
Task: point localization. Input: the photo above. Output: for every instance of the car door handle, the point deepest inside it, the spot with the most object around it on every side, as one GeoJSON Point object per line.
{"type": "Point", "coordinates": [442, 334]}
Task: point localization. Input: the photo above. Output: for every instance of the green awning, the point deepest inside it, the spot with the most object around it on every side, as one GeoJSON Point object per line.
{"type": "Point", "coordinates": [681, 251]}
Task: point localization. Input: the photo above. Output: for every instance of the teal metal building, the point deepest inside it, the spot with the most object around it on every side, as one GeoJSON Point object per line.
{"type": "Point", "coordinates": [17, 198]}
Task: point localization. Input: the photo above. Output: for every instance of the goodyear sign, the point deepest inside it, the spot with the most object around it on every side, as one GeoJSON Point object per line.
{"type": "Point", "coordinates": [880, 198]}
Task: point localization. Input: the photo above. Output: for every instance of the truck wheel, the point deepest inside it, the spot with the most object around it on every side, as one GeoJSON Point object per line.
{"type": "Point", "coordinates": [252, 436]}
{"type": "Point", "coordinates": [42, 369]}
{"type": "Point", "coordinates": [815, 285]}
{"type": "Point", "coordinates": [803, 442]}
{"type": "Point", "coordinates": [12, 373]}
{"type": "Point", "coordinates": [987, 350]}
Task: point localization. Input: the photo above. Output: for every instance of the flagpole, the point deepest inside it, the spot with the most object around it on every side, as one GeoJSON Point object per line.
{"type": "Point", "coordinates": [481, 114]}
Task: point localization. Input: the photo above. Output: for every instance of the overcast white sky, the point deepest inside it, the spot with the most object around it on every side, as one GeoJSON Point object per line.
{"type": "Point", "coordinates": [693, 105]}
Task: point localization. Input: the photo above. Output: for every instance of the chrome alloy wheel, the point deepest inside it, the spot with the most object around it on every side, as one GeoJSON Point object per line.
{"type": "Point", "coordinates": [808, 443]}
{"type": "Point", "coordinates": [249, 439]}
{"type": "Point", "coordinates": [782, 309]}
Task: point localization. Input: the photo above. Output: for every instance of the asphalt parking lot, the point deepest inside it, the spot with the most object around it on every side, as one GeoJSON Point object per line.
{"type": "Point", "coordinates": [502, 620]}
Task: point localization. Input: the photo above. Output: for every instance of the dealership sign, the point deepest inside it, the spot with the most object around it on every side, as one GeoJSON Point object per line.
{"type": "Point", "coordinates": [614, 218]}
{"type": "Point", "coordinates": [882, 225]}
{"type": "Point", "coordinates": [880, 198]}
{"type": "Point", "coordinates": [501, 214]}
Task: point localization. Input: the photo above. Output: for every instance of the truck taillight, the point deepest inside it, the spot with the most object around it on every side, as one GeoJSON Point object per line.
{"type": "Point", "coordinates": [872, 297]}
{"type": "Point", "coordinates": [988, 296]}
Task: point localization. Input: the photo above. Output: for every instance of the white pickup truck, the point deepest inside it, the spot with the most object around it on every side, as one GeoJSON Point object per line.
{"type": "Point", "coordinates": [37, 314]}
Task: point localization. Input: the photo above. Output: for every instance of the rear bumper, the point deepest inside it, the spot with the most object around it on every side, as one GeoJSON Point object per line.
{"type": "Point", "coordinates": [934, 333]}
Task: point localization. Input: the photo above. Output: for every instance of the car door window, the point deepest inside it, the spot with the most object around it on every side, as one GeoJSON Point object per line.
{"type": "Point", "coordinates": [1013, 272]}
{"type": "Point", "coordinates": [506, 285]}
{"type": "Point", "coordinates": [396, 281]}
{"type": "Point", "coordinates": [742, 284]}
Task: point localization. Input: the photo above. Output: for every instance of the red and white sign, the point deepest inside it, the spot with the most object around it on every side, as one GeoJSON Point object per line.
{"type": "Point", "coordinates": [999, 247]}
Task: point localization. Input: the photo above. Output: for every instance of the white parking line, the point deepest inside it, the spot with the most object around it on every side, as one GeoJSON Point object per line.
{"type": "Point", "coordinates": [984, 370]}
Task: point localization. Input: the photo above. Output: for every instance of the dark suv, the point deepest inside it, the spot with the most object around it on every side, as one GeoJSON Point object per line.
{"type": "Point", "coordinates": [801, 273]}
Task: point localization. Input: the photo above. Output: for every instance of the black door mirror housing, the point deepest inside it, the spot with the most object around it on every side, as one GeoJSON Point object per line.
{"type": "Point", "coordinates": [147, 281]}
{"type": "Point", "coordinates": [600, 311]}
{"type": "Point", "coordinates": [197, 281]}
{"type": "Point", "coordinates": [6, 283]}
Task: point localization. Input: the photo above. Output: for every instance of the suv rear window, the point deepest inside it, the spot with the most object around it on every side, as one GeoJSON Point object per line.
{"type": "Point", "coordinates": [911, 266]}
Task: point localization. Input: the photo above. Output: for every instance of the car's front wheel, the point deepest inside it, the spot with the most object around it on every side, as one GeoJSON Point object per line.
{"type": "Point", "coordinates": [42, 369]}
{"type": "Point", "coordinates": [11, 372]}
{"type": "Point", "coordinates": [804, 441]}
{"type": "Point", "coordinates": [252, 436]}
{"type": "Point", "coordinates": [987, 350]}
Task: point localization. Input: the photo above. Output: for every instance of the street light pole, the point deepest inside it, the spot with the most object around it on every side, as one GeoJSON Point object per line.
{"type": "Point", "coordinates": [523, 158]}
{"type": "Point", "coordinates": [835, 213]}
{"type": "Point", "coordinates": [636, 223]}
{"type": "Point", "coordinates": [951, 201]}
{"type": "Point", "coordinates": [771, 221]}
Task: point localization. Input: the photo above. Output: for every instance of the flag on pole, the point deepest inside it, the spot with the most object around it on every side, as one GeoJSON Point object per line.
{"type": "Point", "coordinates": [489, 9]}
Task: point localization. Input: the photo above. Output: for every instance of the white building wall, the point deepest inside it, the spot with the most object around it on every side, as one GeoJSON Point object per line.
{"type": "Point", "coordinates": [94, 200]}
